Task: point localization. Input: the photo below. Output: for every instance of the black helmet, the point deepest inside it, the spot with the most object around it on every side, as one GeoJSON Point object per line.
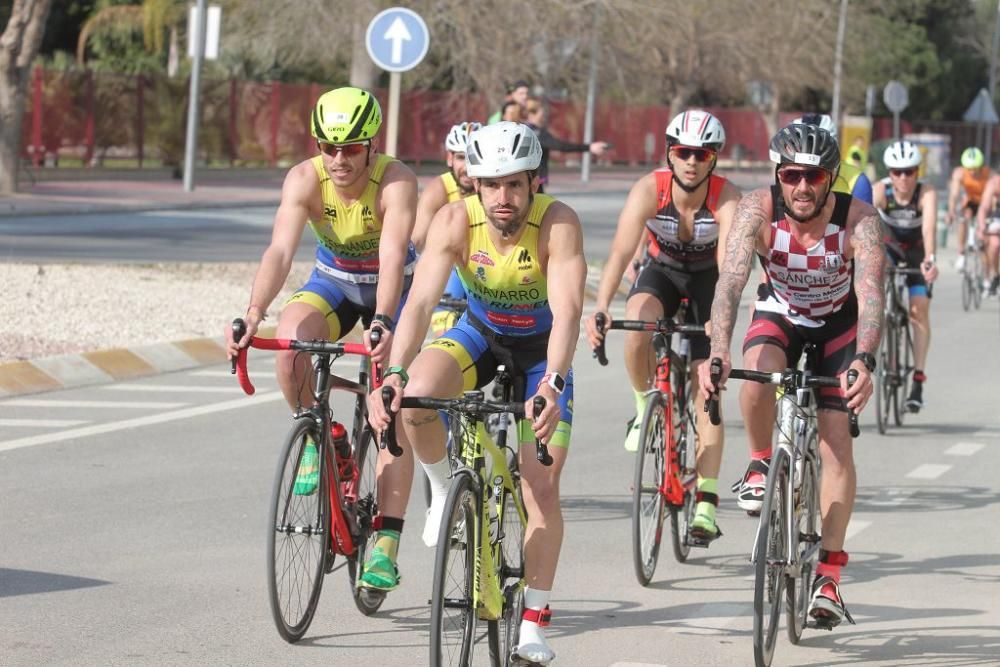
{"type": "Point", "coordinates": [807, 145]}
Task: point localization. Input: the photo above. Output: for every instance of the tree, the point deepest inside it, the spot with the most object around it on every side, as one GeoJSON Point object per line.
{"type": "Point", "coordinates": [18, 47]}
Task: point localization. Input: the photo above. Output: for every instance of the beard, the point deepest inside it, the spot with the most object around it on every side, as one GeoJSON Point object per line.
{"type": "Point", "coordinates": [511, 225]}
{"type": "Point", "coordinates": [816, 210]}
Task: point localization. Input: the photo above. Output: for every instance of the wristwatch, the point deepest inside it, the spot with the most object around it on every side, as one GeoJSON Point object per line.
{"type": "Point", "coordinates": [397, 370]}
{"type": "Point", "coordinates": [384, 320]}
{"type": "Point", "coordinates": [867, 359]}
{"type": "Point", "coordinates": [554, 380]}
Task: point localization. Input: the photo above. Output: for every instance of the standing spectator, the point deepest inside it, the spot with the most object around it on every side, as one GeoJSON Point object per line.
{"type": "Point", "coordinates": [516, 92]}
{"type": "Point", "coordinates": [550, 142]}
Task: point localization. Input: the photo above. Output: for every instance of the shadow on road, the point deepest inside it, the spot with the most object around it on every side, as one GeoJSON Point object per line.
{"type": "Point", "coordinates": [30, 582]}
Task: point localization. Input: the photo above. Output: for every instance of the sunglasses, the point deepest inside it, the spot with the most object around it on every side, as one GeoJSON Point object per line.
{"type": "Point", "coordinates": [812, 176]}
{"type": "Point", "coordinates": [903, 172]}
{"type": "Point", "coordinates": [349, 150]}
{"type": "Point", "coordinates": [683, 153]}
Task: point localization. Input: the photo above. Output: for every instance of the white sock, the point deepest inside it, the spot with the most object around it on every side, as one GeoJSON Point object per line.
{"type": "Point", "coordinates": [439, 476]}
{"type": "Point", "coordinates": [532, 644]}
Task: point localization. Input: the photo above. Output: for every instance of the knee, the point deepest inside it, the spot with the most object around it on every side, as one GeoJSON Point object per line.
{"type": "Point", "coordinates": [543, 494]}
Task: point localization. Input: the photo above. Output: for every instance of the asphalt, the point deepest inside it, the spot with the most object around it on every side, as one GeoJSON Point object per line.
{"type": "Point", "coordinates": [75, 192]}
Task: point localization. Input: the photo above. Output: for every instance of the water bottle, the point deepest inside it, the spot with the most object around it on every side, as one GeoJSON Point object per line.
{"type": "Point", "coordinates": [341, 443]}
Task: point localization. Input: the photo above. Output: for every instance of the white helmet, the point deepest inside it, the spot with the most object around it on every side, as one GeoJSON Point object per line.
{"type": "Point", "coordinates": [821, 120]}
{"type": "Point", "coordinates": [502, 149]}
{"type": "Point", "coordinates": [698, 129]}
{"type": "Point", "coordinates": [458, 135]}
{"type": "Point", "coordinates": [902, 155]}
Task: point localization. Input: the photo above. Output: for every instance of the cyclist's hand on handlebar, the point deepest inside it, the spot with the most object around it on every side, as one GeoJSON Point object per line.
{"type": "Point", "coordinates": [379, 353]}
{"type": "Point", "coordinates": [705, 385]}
{"type": "Point", "coordinates": [594, 334]}
{"type": "Point", "coordinates": [929, 269]}
{"type": "Point", "coordinates": [544, 424]}
{"type": "Point", "coordinates": [858, 394]}
{"type": "Point", "coordinates": [233, 347]}
{"type": "Point", "coordinates": [377, 415]}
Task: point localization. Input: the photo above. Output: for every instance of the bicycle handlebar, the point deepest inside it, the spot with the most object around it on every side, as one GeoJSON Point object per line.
{"type": "Point", "coordinates": [453, 304]}
{"type": "Point", "coordinates": [790, 379]}
{"type": "Point", "coordinates": [664, 326]}
{"type": "Point", "coordinates": [239, 363]}
{"type": "Point", "coordinates": [473, 406]}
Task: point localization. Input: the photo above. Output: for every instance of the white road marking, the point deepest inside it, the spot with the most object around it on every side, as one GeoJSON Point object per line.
{"type": "Point", "coordinates": [194, 389]}
{"type": "Point", "coordinates": [708, 619]}
{"type": "Point", "coordinates": [964, 448]}
{"type": "Point", "coordinates": [42, 422]}
{"type": "Point", "coordinates": [928, 471]}
{"type": "Point", "coordinates": [109, 427]}
{"type": "Point", "coordinates": [110, 403]}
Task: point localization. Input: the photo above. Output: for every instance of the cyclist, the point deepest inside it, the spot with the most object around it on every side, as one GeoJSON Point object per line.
{"type": "Point", "coordinates": [988, 231]}
{"type": "Point", "coordinates": [824, 260]}
{"type": "Point", "coordinates": [450, 186]}
{"type": "Point", "coordinates": [909, 208]}
{"type": "Point", "coordinates": [851, 178]}
{"type": "Point", "coordinates": [965, 191]}
{"type": "Point", "coordinates": [360, 206]}
{"type": "Point", "coordinates": [682, 212]}
{"type": "Point", "coordinates": [506, 243]}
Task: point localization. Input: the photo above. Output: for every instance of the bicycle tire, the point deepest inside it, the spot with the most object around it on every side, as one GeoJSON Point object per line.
{"type": "Point", "coordinates": [365, 509]}
{"type": "Point", "coordinates": [977, 278]}
{"type": "Point", "coordinates": [799, 588]}
{"type": "Point", "coordinates": [884, 379]}
{"type": "Point", "coordinates": [503, 632]}
{"type": "Point", "coordinates": [966, 292]}
{"type": "Point", "coordinates": [769, 580]}
{"type": "Point", "coordinates": [453, 586]}
{"type": "Point", "coordinates": [905, 345]}
{"type": "Point", "coordinates": [647, 499]}
{"type": "Point", "coordinates": [298, 530]}
{"type": "Point", "coordinates": [899, 370]}
{"type": "Point", "coordinates": [681, 517]}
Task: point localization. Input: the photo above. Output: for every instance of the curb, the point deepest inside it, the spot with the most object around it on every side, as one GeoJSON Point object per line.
{"type": "Point", "coordinates": [68, 371]}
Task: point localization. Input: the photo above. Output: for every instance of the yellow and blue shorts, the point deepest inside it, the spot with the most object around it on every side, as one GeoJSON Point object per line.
{"type": "Point", "coordinates": [478, 358]}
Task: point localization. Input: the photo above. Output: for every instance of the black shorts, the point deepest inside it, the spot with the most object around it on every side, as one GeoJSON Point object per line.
{"type": "Point", "coordinates": [834, 341]}
{"type": "Point", "coordinates": [911, 253]}
{"type": "Point", "coordinates": [671, 285]}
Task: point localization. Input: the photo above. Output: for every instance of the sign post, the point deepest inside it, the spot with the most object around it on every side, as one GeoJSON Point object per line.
{"type": "Point", "coordinates": [896, 98]}
{"type": "Point", "coordinates": [397, 40]}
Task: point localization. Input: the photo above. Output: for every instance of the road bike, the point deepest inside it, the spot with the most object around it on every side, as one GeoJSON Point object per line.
{"type": "Point", "coordinates": [665, 465]}
{"type": "Point", "coordinates": [895, 357]}
{"type": "Point", "coordinates": [308, 530]}
{"type": "Point", "coordinates": [787, 543]}
{"type": "Point", "coordinates": [479, 564]}
{"type": "Point", "coordinates": [973, 274]}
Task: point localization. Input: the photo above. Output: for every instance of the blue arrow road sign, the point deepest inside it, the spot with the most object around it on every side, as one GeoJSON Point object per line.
{"type": "Point", "coordinates": [397, 39]}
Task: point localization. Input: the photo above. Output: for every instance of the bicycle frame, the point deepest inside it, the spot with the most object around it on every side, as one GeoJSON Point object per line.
{"type": "Point", "coordinates": [343, 541]}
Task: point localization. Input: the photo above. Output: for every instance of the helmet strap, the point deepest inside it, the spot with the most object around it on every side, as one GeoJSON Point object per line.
{"type": "Point", "coordinates": [688, 188]}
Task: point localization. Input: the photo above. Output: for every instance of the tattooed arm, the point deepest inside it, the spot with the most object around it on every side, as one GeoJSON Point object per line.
{"type": "Point", "coordinates": [869, 279]}
{"type": "Point", "coordinates": [741, 243]}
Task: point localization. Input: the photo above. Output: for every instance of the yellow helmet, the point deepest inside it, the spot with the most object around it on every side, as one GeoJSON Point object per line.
{"type": "Point", "coordinates": [346, 115]}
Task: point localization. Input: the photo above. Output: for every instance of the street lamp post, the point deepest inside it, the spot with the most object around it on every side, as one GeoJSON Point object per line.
{"type": "Point", "coordinates": [837, 62]}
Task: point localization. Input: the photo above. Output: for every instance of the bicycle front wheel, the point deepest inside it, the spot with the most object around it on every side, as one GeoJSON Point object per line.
{"type": "Point", "coordinates": [298, 536]}
{"type": "Point", "coordinates": [967, 289]}
{"type": "Point", "coordinates": [503, 633]}
{"type": "Point", "coordinates": [884, 374]}
{"type": "Point", "coordinates": [799, 586]}
{"type": "Point", "coordinates": [769, 580]}
{"type": "Point", "coordinates": [685, 448]}
{"type": "Point", "coordinates": [367, 600]}
{"type": "Point", "coordinates": [647, 500]}
{"type": "Point", "coordinates": [453, 605]}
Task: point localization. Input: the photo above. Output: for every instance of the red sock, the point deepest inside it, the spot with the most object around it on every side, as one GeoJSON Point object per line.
{"type": "Point", "coordinates": [756, 477]}
{"type": "Point", "coordinates": [830, 563]}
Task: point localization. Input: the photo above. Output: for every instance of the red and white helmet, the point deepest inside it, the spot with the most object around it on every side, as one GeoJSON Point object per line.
{"type": "Point", "coordinates": [698, 129]}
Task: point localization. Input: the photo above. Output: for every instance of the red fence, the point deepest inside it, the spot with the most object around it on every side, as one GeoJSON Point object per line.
{"type": "Point", "coordinates": [96, 117]}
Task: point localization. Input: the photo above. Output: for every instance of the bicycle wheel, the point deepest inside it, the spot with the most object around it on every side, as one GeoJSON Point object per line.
{"type": "Point", "coordinates": [799, 587]}
{"type": "Point", "coordinates": [298, 537]}
{"type": "Point", "coordinates": [884, 375]}
{"type": "Point", "coordinates": [453, 607]}
{"type": "Point", "coordinates": [899, 369]}
{"type": "Point", "coordinates": [967, 290]}
{"type": "Point", "coordinates": [367, 600]}
{"type": "Point", "coordinates": [977, 280]}
{"type": "Point", "coordinates": [684, 444]}
{"type": "Point", "coordinates": [503, 633]}
{"type": "Point", "coordinates": [647, 500]}
{"type": "Point", "coordinates": [905, 370]}
{"type": "Point", "coordinates": [769, 581]}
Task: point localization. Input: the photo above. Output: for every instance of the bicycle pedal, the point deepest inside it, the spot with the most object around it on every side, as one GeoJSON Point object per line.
{"type": "Point", "coordinates": [821, 623]}
{"type": "Point", "coordinates": [753, 513]}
